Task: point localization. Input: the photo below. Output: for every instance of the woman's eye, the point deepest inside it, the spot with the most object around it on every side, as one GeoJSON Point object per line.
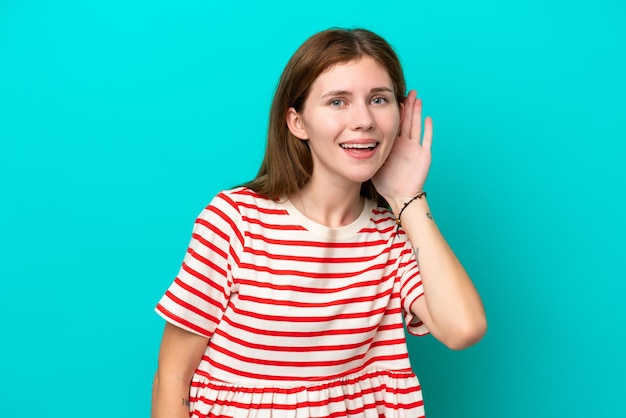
{"type": "Point", "coordinates": [336, 102]}
{"type": "Point", "coordinates": [379, 100]}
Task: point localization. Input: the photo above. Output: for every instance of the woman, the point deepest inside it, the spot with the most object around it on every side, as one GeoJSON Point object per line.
{"type": "Point", "coordinates": [290, 299]}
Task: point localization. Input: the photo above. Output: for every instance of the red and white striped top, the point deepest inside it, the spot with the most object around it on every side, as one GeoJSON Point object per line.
{"type": "Point", "coordinates": [302, 320]}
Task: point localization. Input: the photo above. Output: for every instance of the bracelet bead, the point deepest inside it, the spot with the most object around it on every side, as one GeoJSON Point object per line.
{"type": "Point", "coordinates": [417, 196]}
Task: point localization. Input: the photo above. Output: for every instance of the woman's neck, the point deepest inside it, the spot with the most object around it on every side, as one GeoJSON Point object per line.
{"type": "Point", "coordinates": [329, 206]}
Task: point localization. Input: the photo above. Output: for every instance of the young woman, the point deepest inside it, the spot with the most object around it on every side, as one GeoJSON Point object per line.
{"type": "Point", "coordinates": [291, 297]}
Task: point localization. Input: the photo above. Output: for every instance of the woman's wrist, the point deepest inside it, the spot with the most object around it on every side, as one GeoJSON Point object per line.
{"type": "Point", "coordinates": [399, 203]}
{"type": "Point", "coordinates": [420, 195]}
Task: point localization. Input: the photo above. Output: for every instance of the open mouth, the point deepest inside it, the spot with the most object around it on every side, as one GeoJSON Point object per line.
{"type": "Point", "coordinates": [359, 147]}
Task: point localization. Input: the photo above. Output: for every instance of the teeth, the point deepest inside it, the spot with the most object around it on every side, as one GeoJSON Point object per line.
{"type": "Point", "coordinates": [358, 146]}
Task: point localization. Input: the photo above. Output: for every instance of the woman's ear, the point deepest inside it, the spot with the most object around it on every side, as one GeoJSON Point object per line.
{"type": "Point", "coordinates": [295, 124]}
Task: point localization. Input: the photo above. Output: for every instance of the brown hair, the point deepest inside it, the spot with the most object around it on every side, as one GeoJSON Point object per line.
{"type": "Point", "coordinates": [287, 165]}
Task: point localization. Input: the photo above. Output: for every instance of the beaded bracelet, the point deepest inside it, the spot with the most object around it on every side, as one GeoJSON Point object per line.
{"type": "Point", "coordinates": [417, 196]}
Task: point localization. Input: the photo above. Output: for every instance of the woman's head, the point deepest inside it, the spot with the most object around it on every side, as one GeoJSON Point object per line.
{"type": "Point", "coordinates": [287, 165]}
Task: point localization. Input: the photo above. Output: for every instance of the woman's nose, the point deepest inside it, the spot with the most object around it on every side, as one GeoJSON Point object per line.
{"type": "Point", "coordinates": [362, 118]}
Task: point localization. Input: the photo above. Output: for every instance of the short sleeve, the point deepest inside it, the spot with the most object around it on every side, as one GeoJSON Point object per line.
{"type": "Point", "coordinates": [411, 289]}
{"type": "Point", "coordinates": [198, 297]}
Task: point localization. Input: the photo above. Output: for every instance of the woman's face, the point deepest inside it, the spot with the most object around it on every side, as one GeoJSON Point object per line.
{"type": "Point", "coordinates": [351, 119]}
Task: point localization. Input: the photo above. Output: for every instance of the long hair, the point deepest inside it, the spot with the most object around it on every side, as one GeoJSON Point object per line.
{"type": "Point", "coordinates": [288, 165]}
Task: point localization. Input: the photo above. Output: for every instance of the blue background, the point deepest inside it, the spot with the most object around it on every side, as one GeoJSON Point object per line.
{"type": "Point", "coordinates": [120, 120]}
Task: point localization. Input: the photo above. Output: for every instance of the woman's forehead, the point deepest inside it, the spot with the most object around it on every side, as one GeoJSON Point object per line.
{"type": "Point", "coordinates": [361, 73]}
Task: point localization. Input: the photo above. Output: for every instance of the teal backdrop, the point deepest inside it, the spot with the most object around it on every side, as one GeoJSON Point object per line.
{"type": "Point", "coordinates": [120, 120]}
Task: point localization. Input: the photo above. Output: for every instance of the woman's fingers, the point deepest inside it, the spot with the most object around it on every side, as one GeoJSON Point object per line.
{"type": "Point", "coordinates": [416, 119]}
{"type": "Point", "coordinates": [428, 133]}
{"type": "Point", "coordinates": [407, 117]}
{"type": "Point", "coordinates": [411, 126]}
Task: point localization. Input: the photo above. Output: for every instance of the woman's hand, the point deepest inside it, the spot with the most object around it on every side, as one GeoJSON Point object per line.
{"type": "Point", "coordinates": [404, 173]}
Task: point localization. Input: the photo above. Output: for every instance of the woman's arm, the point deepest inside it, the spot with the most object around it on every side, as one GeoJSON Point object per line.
{"type": "Point", "coordinates": [179, 356]}
{"type": "Point", "coordinates": [451, 307]}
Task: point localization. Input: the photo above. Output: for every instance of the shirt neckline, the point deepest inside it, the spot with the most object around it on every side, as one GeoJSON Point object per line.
{"type": "Point", "coordinates": [328, 233]}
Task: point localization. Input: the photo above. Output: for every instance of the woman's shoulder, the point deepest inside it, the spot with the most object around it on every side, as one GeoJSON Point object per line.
{"type": "Point", "coordinates": [243, 195]}
{"type": "Point", "coordinates": [243, 199]}
{"type": "Point", "coordinates": [229, 209]}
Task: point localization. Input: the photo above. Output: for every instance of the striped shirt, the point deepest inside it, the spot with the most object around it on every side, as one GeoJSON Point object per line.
{"type": "Point", "coordinates": [303, 320]}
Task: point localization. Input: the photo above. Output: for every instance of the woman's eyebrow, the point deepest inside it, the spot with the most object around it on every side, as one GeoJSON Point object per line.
{"type": "Point", "coordinates": [381, 89]}
{"type": "Point", "coordinates": [337, 93]}
{"type": "Point", "coordinates": [348, 93]}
